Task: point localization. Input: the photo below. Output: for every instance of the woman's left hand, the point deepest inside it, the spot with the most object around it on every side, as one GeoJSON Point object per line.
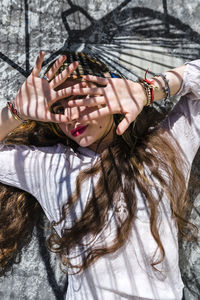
{"type": "Point", "coordinates": [119, 96]}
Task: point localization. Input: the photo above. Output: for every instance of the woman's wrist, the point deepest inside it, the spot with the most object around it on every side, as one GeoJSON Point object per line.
{"type": "Point", "coordinates": [162, 85]}
{"type": "Point", "coordinates": [174, 78]}
{"type": "Point", "coordinates": [159, 83]}
{"type": "Point", "coordinates": [138, 91]}
{"type": "Point", "coordinates": [7, 122]}
{"type": "Point", "coordinates": [14, 112]}
{"type": "Point", "coordinates": [8, 117]}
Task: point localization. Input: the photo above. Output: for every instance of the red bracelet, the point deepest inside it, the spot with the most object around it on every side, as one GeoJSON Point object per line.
{"type": "Point", "coordinates": [149, 88]}
{"type": "Point", "coordinates": [15, 113]}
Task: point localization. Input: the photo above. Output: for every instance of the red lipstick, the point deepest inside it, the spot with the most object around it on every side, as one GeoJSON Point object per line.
{"type": "Point", "coordinates": [78, 130]}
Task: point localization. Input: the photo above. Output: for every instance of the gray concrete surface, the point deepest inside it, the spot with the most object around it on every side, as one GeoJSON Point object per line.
{"type": "Point", "coordinates": [130, 36]}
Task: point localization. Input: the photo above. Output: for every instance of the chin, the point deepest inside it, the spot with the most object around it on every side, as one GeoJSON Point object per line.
{"type": "Point", "coordinates": [84, 143]}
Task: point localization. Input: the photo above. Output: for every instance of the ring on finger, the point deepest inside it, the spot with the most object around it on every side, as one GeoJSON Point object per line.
{"type": "Point", "coordinates": [45, 77]}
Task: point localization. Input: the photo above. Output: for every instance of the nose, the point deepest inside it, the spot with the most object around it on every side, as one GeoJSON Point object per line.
{"type": "Point", "coordinates": [73, 113]}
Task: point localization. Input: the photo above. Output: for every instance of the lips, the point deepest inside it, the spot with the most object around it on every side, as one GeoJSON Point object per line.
{"type": "Point", "coordinates": [78, 130]}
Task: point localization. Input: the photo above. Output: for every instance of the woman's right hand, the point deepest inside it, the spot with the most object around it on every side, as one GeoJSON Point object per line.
{"type": "Point", "coordinates": [36, 95]}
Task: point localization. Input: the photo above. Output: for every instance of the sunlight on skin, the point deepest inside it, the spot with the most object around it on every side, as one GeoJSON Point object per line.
{"type": "Point", "coordinates": [119, 96]}
{"type": "Point", "coordinates": [90, 132]}
{"type": "Point", "coordinates": [93, 101]}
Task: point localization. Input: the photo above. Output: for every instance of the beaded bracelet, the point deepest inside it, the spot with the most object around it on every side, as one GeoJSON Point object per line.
{"type": "Point", "coordinates": [147, 92]}
{"type": "Point", "coordinates": [15, 113]}
{"type": "Point", "coordinates": [149, 88]}
{"type": "Point", "coordinates": [166, 88]}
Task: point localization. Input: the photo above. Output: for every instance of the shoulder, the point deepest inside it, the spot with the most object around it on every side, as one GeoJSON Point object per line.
{"type": "Point", "coordinates": [58, 148]}
{"type": "Point", "coordinates": [31, 157]}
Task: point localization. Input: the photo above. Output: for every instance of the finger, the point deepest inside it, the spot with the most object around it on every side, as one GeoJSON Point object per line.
{"type": "Point", "coordinates": [82, 84]}
{"type": "Point", "coordinates": [71, 91]}
{"type": "Point", "coordinates": [60, 94]}
{"type": "Point", "coordinates": [88, 91]}
{"type": "Point", "coordinates": [94, 101]}
{"type": "Point", "coordinates": [98, 113]}
{"type": "Point", "coordinates": [62, 77]}
{"type": "Point", "coordinates": [96, 79]}
{"type": "Point", "coordinates": [74, 86]}
{"type": "Point", "coordinates": [79, 85]}
{"type": "Point", "coordinates": [58, 63]}
{"type": "Point", "coordinates": [56, 118]}
{"type": "Point", "coordinates": [124, 124]}
{"type": "Point", "coordinates": [38, 65]}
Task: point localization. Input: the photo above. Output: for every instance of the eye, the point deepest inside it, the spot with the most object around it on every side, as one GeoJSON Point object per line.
{"type": "Point", "coordinates": [59, 110]}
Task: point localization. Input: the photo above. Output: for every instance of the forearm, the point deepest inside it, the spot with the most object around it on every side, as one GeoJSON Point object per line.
{"type": "Point", "coordinates": [175, 77]}
{"type": "Point", "coordinates": [7, 122]}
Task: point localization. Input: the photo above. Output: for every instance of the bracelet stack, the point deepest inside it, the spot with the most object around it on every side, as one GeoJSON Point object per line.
{"type": "Point", "coordinates": [149, 88]}
{"type": "Point", "coordinates": [15, 113]}
{"type": "Point", "coordinates": [166, 88]}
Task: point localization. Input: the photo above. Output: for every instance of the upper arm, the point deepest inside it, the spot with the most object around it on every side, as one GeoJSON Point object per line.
{"type": "Point", "coordinates": [18, 167]}
{"type": "Point", "coordinates": [183, 122]}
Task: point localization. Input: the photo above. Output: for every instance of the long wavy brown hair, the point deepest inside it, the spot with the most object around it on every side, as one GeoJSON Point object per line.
{"type": "Point", "coordinates": [121, 168]}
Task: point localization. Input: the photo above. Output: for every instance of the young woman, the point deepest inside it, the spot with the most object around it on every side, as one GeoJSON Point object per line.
{"type": "Point", "coordinates": [113, 184]}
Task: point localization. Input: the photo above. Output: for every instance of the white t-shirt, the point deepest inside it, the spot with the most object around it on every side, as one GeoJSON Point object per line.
{"type": "Point", "coordinates": [49, 174]}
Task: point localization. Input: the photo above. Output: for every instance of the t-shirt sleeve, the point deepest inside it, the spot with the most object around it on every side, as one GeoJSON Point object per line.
{"type": "Point", "coordinates": [19, 167]}
{"type": "Point", "coordinates": [183, 122]}
{"type": "Point", "coordinates": [35, 170]}
{"type": "Point", "coordinates": [190, 87]}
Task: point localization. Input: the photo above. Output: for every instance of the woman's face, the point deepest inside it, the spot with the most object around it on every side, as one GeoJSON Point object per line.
{"type": "Point", "coordinates": [88, 133]}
